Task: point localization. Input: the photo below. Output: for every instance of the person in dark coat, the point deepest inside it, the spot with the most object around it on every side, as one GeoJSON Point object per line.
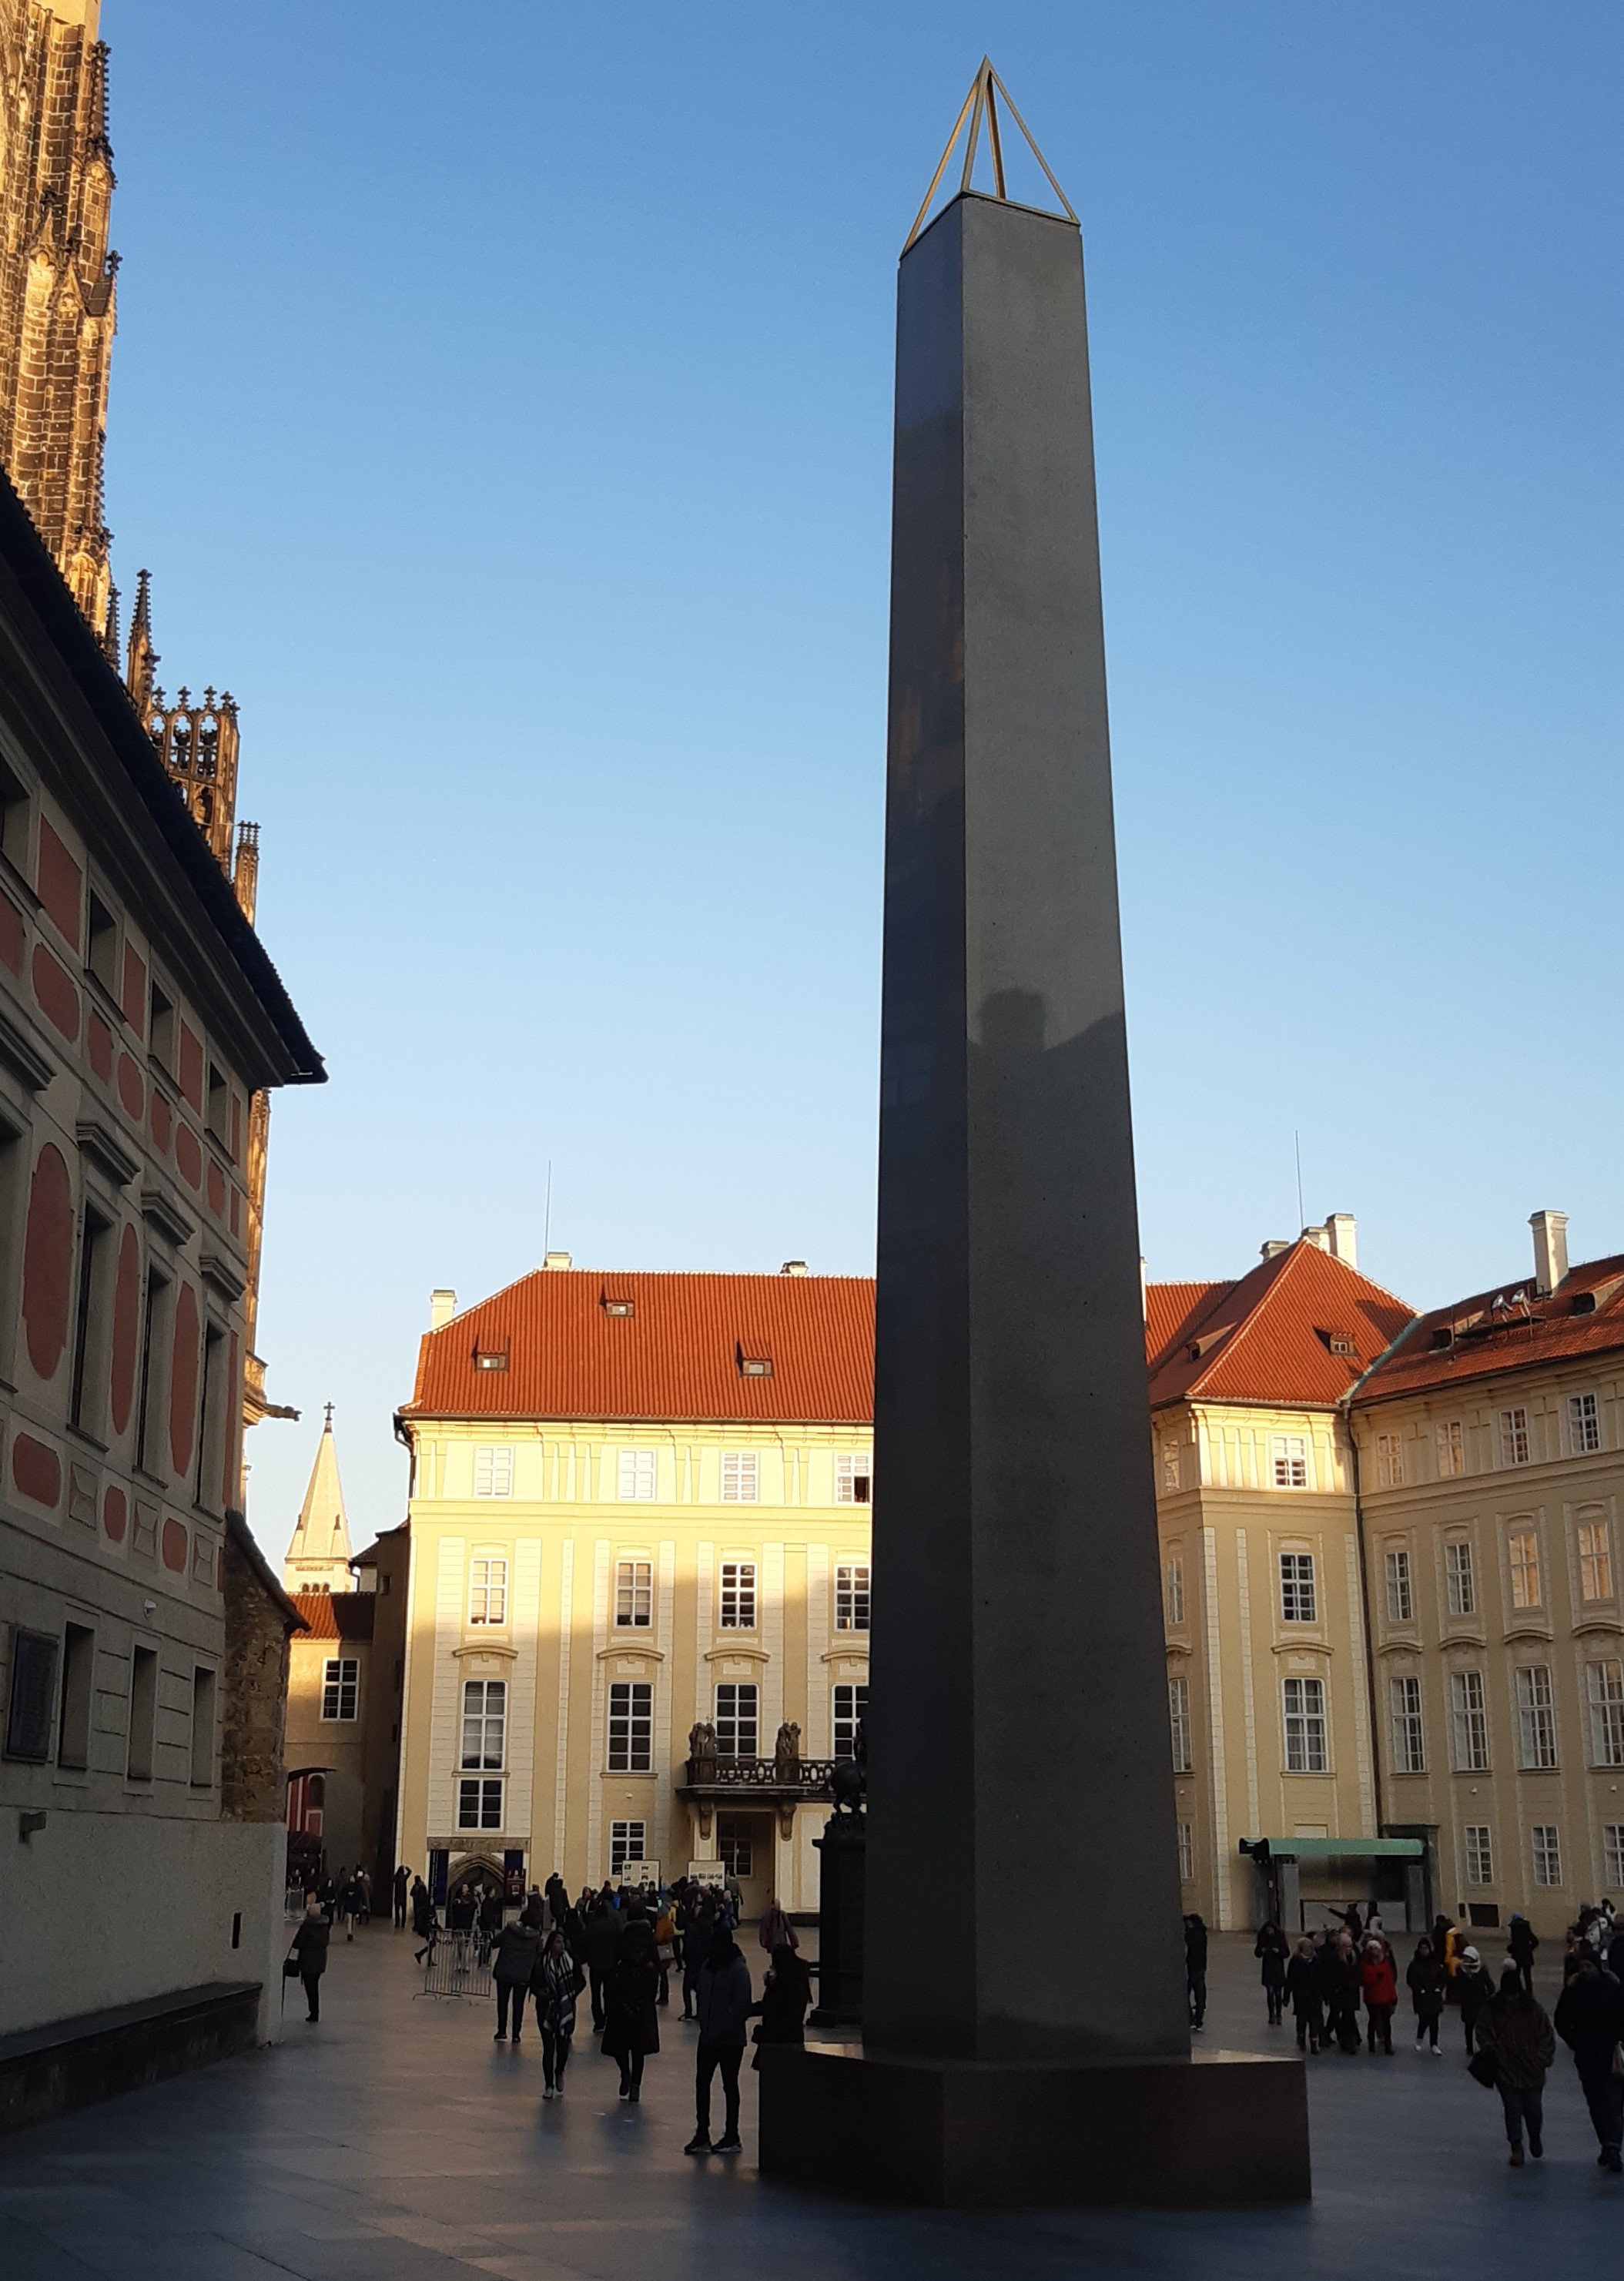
{"type": "Point", "coordinates": [555, 1985]}
{"type": "Point", "coordinates": [1522, 1940]}
{"type": "Point", "coordinates": [723, 2000]}
{"type": "Point", "coordinates": [353, 1902]}
{"type": "Point", "coordinates": [1345, 1989]}
{"type": "Point", "coordinates": [631, 2017]}
{"type": "Point", "coordinates": [696, 1922]}
{"type": "Point", "coordinates": [401, 1886]}
{"type": "Point", "coordinates": [1423, 1978]}
{"type": "Point", "coordinates": [1302, 1993]}
{"type": "Point", "coordinates": [1512, 2029]}
{"type": "Point", "coordinates": [785, 2000]}
{"type": "Point", "coordinates": [423, 1915]}
{"type": "Point", "coordinates": [601, 1940]}
{"type": "Point", "coordinates": [557, 1898]}
{"type": "Point", "coordinates": [1274, 1950]}
{"type": "Point", "coordinates": [310, 1947]}
{"type": "Point", "coordinates": [460, 1915]}
{"type": "Point", "coordinates": [518, 1951]}
{"type": "Point", "coordinates": [1195, 1968]}
{"type": "Point", "coordinates": [1472, 1990]}
{"type": "Point", "coordinates": [492, 1912]}
{"type": "Point", "coordinates": [1590, 2022]}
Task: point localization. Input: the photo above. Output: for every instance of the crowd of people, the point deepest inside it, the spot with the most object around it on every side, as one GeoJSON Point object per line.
{"type": "Point", "coordinates": [1349, 1972]}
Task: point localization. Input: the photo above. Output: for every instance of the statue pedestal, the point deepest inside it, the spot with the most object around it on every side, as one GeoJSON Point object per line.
{"type": "Point", "coordinates": [1221, 2129]}
{"type": "Point", "coordinates": [842, 1857]}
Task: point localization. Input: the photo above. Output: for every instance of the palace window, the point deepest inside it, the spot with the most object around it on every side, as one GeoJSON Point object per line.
{"type": "Point", "coordinates": [1178, 1721]}
{"type": "Point", "coordinates": [734, 1844]}
{"type": "Point", "coordinates": [854, 1480]}
{"type": "Point", "coordinates": [1595, 1561]}
{"type": "Point", "coordinates": [1522, 1547]}
{"type": "Point", "coordinates": [740, 1476]}
{"type": "Point", "coordinates": [636, 1474]}
{"type": "Point", "coordinates": [1400, 1598]}
{"type": "Point", "coordinates": [488, 1590]}
{"type": "Point", "coordinates": [736, 1720]}
{"type": "Point", "coordinates": [1288, 1457]}
{"type": "Point", "coordinates": [1536, 1718]}
{"type": "Point", "coordinates": [631, 1727]}
{"type": "Point", "coordinates": [1409, 1742]}
{"type": "Point", "coordinates": [1452, 1446]}
{"type": "Point", "coordinates": [634, 1594]}
{"type": "Point", "coordinates": [1186, 1853]}
{"type": "Point", "coordinates": [1479, 1854]}
{"type": "Point", "coordinates": [738, 1596]}
{"type": "Point", "coordinates": [851, 1596]}
{"type": "Point", "coordinates": [484, 1724]}
{"type": "Point", "coordinates": [1604, 1685]}
{"type": "Point", "coordinates": [1469, 1716]}
{"type": "Point", "coordinates": [1584, 1425]}
{"type": "Point", "coordinates": [1460, 1578]}
{"type": "Point", "coordinates": [1297, 1596]}
{"type": "Point", "coordinates": [851, 1704]}
{"type": "Point", "coordinates": [1173, 1592]}
{"type": "Point", "coordinates": [1170, 1464]}
{"type": "Point", "coordinates": [628, 1842]}
{"type": "Point", "coordinates": [1389, 1461]}
{"type": "Point", "coordinates": [479, 1804]}
{"type": "Point", "coordinates": [493, 1472]}
{"type": "Point", "coordinates": [341, 1682]}
{"type": "Point", "coordinates": [1547, 1853]}
{"type": "Point", "coordinates": [1516, 1448]}
{"type": "Point", "coordinates": [1307, 1751]}
{"type": "Point", "coordinates": [1612, 1854]}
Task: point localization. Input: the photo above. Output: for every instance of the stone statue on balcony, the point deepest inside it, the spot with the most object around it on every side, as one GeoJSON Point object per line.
{"type": "Point", "coordinates": [702, 1747]}
{"type": "Point", "coordinates": [786, 1753]}
{"type": "Point", "coordinates": [849, 1782]}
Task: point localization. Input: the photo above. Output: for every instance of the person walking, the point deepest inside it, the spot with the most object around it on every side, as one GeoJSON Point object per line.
{"type": "Point", "coordinates": [1302, 1993]}
{"type": "Point", "coordinates": [354, 1901]}
{"type": "Point", "coordinates": [400, 1886]}
{"type": "Point", "coordinates": [1522, 1940]}
{"type": "Point", "coordinates": [1472, 1990]}
{"type": "Point", "coordinates": [310, 1947]}
{"type": "Point", "coordinates": [1196, 1970]}
{"type": "Point", "coordinates": [631, 2017]}
{"type": "Point", "coordinates": [600, 1948]}
{"type": "Point", "coordinates": [665, 1946]}
{"type": "Point", "coordinates": [557, 1898]}
{"type": "Point", "coordinates": [1423, 1978]}
{"type": "Point", "coordinates": [555, 1984]}
{"type": "Point", "coordinates": [722, 1997]}
{"type": "Point", "coordinates": [696, 1922]}
{"type": "Point", "coordinates": [1379, 1984]}
{"type": "Point", "coordinates": [1273, 1950]}
{"type": "Point", "coordinates": [1519, 2043]}
{"type": "Point", "coordinates": [518, 1951]}
{"type": "Point", "coordinates": [1590, 2022]}
{"type": "Point", "coordinates": [1347, 1988]}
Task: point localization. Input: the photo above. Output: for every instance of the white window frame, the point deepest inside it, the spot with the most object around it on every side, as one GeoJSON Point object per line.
{"type": "Point", "coordinates": [1409, 1732]}
{"type": "Point", "coordinates": [1299, 1585]}
{"type": "Point", "coordinates": [1389, 1461]}
{"type": "Point", "coordinates": [484, 1726]}
{"type": "Point", "coordinates": [737, 1717]}
{"type": "Point", "coordinates": [1545, 1843]}
{"type": "Point", "coordinates": [736, 1596]}
{"type": "Point", "coordinates": [1173, 1589]}
{"type": "Point", "coordinates": [1516, 1438]}
{"type": "Point", "coordinates": [479, 1802]}
{"type": "Point", "coordinates": [1288, 1461]}
{"type": "Point", "coordinates": [637, 1475]}
{"type": "Point", "coordinates": [1187, 1854]}
{"type": "Point", "coordinates": [1469, 1721]}
{"type": "Point", "coordinates": [1401, 1585]}
{"type": "Point", "coordinates": [852, 1584]}
{"type": "Point", "coordinates": [1522, 1557]}
{"type": "Point", "coordinates": [848, 1703]}
{"type": "Point", "coordinates": [1449, 1442]}
{"type": "Point", "coordinates": [634, 1593]}
{"type": "Point", "coordinates": [1307, 1727]}
{"type": "Point", "coordinates": [741, 1477]}
{"type": "Point", "coordinates": [1479, 1849]}
{"type": "Point", "coordinates": [1612, 1854]}
{"type": "Point", "coordinates": [1179, 1724]}
{"type": "Point", "coordinates": [631, 1727]}
{"type": "Point", "coordinates": [1603, 1684]}
{"type": "Point", "coordinates": [1536, 1718]}
{"type": "Point", "coordinates": [341, 1688]}
{"type": "Point", "coordinates": [493, 1470]}
{"type": "Point", "coordinates": [628, 1842]}
{"type": "Point", "coordinates": [488, 1590]}
{"type": "Point", "coordinates": [1460, 1576]}
{"type": "Point", "coordinates": [854, 1478]}
{"type": "Point", "coordinates": [1594, 1558]}
{"type": "Point", "coordinates": [1584, 1424]}
{"type": "Point", "coordinates": [1172, 1469]}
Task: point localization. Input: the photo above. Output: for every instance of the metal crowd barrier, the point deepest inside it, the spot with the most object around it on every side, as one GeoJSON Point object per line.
{"type": "Point", "coordinates": [458, 1964]}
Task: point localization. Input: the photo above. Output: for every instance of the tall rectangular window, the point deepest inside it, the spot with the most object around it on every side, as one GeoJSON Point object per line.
{"type": "Point", "coordinates": [149, 1402]}
{"type": "Point", "coordinates": [1449, 1440]}
{"type": "Point", "coordinates": [1479, 1854]}
{"type": "Point", "coordinates": [851, 1596]}
{"type": "Point", "coordinates": [1612, 1854]}
{"type": "Point", "coordinates": [740, 1476]}
{"type": "Point", "coordinates": [628, 1842]}
{"type": "Point", "coordinates": [1307, 1752]}
{"type": "Point", "coordinates": [736, 1720]}
{"type": "Point", "coordinates": [1536, 1717]}
{"type": "Point", "coordinates": [637, 1475]}
{"type": "Point", "coordinates": [1584, 1424]}
{"type": "Point", "coordinates": [1460, 1577]}
{"type": "Point", "coordinates": [1172, 1593]}
{"type": "Point", "coordinates": [634, 1594]}
{"type": "Point", "coordinates": [1289, 1459]}
{"type": "Point", "coordinates": [1297, 1596]}
{"type": "Point", "coordinates": [851, 1704]}
{"type": "Point", "coordinates": [736, 1843]}
{"type": "Point", "coordinates": [213, 1417]}
{"type": "Point", "coordinates": [341, 1680]}
{"type": "Point", "coordinates": [1400, 1598]}
{"type": "Point", "coordinates": [1170, 1464]}
{"type": "Point", "coordinates": [203, 1727]}
{"type": "Point", "coordinates": [494, 1473]}
{"type": "Point", "coordinates": [488, 1590]}
{"type": "Point", "coordinates": [1547, 1853]}
{"type": "Point", "coordinates": [91, 1307]}
{"type": "Point", "coordinates": [1409, 1742]}
{"type": "Point", "coordinates": [737, 1595]}
{"type": "Point", "coordinates": [631, 1727]}
{"type": "Point", "coordinates": [1469, 1716]}
{"type": "Point", "coordinates": [1605, 1686]}
{"type": "Point", "coordinates": [1522, 1549]}
{"type": "Point", "coordinates": [1595, 1561]}
{"type": "Point", "coordinates": [1178, 1721]}
{"type": "Point", "coordinates": [484, 1725]}
{"type": "Point", "coordinates": [143, 1713]}
{"type": "Point", "coordinates": [1516, 1447]}
{"type": "Point", "coordinates": [1389, 1461]}
{"type": "Point", "coordinates": [73, 1721]}
{"type": "Point", "coordinates": [479, 1804]}
{"type": "Point", "coordinates": [1186, 1853]}
{"type": "Point", "coordinates": [854, 1480]}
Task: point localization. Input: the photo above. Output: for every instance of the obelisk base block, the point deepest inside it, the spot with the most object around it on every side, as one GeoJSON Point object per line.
{"type": "Point", "coordinates": [1220, 2131]}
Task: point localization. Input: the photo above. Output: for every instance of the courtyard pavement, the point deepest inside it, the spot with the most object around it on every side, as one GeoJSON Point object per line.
{"type": "Point", "coordinates": [397, 2140]}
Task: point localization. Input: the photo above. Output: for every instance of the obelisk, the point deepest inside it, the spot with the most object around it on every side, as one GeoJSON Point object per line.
{"type": "Point", "coordinates": [1025, 2033]}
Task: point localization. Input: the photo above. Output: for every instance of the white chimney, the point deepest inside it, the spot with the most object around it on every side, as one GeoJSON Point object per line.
{"type": "Point", "coordinates": [1550, 1249]}
{"type": "Point", "coordinates": [793, 1267]}
{"type": "Point", "coordinates": [556, 1260]}
{"type": "Point", "coordinates": [442, 1307]}
{"type": "Point", "coordinates": [1320, 1237]}
{"type": "Point", "coordinates": [1344, 1234]}
{"type": "Point", "coordinates": [1274, 1248]}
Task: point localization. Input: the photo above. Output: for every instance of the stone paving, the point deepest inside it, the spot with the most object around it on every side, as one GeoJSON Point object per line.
{"type": "Point", "coordinates": [396, 2140]}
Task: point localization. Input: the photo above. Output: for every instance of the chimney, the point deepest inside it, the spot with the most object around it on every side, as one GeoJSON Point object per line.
{"type": "Point", "coordinates": [1274, 1248]}
{"type": "Point", "coordinates": [1320, 1237]}
{"type": "Point", "coordinates": [442, 1307]}
{"type": "Point", "coordinates": [1343, 1231]}
{"type": "Point", "coordinates": [793, 1267]}
{"type": "Point", "coordinates": [1550, 1249]}
{"type": "Point", "coordinates": [556, 1260]}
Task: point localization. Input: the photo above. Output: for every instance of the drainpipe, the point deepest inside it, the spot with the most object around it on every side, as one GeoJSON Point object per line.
{"type": "Point", "coordinates": [1370, 1636]}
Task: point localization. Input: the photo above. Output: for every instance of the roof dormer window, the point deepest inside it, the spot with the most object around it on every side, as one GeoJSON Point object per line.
{"type": "Point", "coordinates": [618, 1306]}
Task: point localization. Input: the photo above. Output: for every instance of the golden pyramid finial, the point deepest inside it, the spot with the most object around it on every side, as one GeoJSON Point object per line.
{"type": "Point", "coordinates": [982, 104]}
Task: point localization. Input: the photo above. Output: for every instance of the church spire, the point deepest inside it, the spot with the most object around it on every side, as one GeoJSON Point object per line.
{"type": "Point", "coordinates": [318, 1557]}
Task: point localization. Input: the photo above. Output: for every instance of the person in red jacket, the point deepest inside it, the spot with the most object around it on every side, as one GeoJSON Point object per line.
{"type": "Point", "coordinates": [1379, 1980]}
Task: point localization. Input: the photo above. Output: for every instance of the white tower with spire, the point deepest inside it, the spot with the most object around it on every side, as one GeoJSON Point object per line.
{"type": "Point", "coordinates": [318, 1557]}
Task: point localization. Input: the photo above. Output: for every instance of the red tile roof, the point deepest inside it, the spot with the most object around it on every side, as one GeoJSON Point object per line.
{"type": "Point", "coordinates": [1297, 1331]}
{"type": "Point", "coordinates": [1504, 1330]}
{"type": "Point", "coordinates": [677, 1355]}
{"type": "Point", "coordinates": [336, 1615]}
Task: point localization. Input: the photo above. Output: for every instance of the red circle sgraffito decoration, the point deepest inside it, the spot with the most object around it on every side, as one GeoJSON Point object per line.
{"type": "Point", "coordinates": [53, 986]}
{"type": "Point", "coordinates": [125, 1323]}
{"type": "Point", "coordinates": [98, 1040]}
{"type": "Point", "coordinates": [36, 1470]}
{"type": "Point", "coordinates": [131, 1092]}
{"type": "Point", "coordinates": [188, 1155]}
{"type": "Point", "coordinates": [115, 1515]}
{"type": "Point", "coordinates": [175, 1546]}
{"type": "Point", "coordinates": [48, 1261]}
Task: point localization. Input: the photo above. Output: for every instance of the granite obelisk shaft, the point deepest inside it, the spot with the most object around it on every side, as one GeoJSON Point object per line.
{"type": "Point", "coordinates": [1023, 1897]}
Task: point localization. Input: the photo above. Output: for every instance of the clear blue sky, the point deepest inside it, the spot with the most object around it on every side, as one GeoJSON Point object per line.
{"type": "Point", "coordinates": [502, 403]}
